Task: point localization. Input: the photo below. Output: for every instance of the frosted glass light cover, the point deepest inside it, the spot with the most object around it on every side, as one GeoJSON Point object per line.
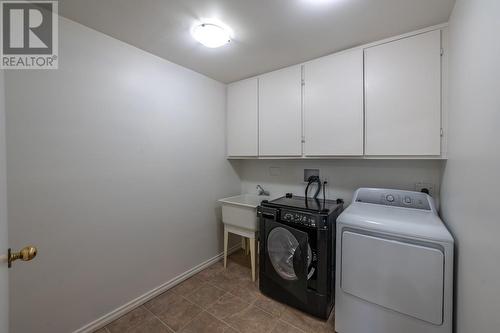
{"type": "Point", "coordinates": [211, 35]}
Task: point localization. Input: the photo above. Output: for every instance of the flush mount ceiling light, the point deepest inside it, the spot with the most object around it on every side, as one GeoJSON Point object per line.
{"type": "Point", "coordinates": [211, 34]}
{"type": "Point", "coordinates": [322, 2]}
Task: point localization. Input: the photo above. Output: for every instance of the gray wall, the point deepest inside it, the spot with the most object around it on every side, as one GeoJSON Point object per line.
{"type": "Point", "coordinates": [344, 176]}
{"type": "Point", "coordinates": [4, 282]}
{"type": "Point", "coordinates": [471, 181]}
{"type": "Point", "coordinates": [114, 164]}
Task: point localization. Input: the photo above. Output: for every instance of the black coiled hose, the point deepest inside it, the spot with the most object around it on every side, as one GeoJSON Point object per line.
{"type": "Point", "coordinates": [311, 180]}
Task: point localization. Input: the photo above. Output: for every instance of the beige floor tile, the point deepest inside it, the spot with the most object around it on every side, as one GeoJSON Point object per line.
{"type": "Point", "coordinates": [227, 306]}
{"type": "Point", "coordinates": [246, 290]}
{"type": "Point", "coordinates": [151, 326]}
{"type": "Point", "coordinates": [237, 270]}
{"type": "Point", "coordinates": [206, 323]}
{"type": "Point", "coordinates": [305, 322]}
{"type": "Point", "coordinates": [160, 303]}
{"type": "Point", "coordinates": [330, 324]}
{"type": "Point", "coordinates": [232, 302]}
{"type": "Point", "coordinates": [241, 258]}
{"type": "Point", "coordinates": [226, 281]}
{"type": "Point", "coordinates": [130, 320]}
{"type": "Point", "coordinates": [205, 295]}
{"type": "Point", "coordinates": [252, 320]}
{"type": "Point", "coordinates": [179, 313]}
{"type": "Point", "coordinates": [237, 279]}
{"type": "Point", "coordinates": [102, 330]}
{"type": "Point", "coordinates": [269, 305]}
{"type": "Point", "coordinates": [283, 327]}
{"type": "Point", "coordinates": [211, 271]}
{"type": "Point", "coordinates": [188, 286]}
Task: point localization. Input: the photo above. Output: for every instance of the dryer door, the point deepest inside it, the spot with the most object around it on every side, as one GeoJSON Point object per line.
{"type": "Point", "coordinates": [288, 256]}
{"type": "Point", "coordinates": [400, 275]}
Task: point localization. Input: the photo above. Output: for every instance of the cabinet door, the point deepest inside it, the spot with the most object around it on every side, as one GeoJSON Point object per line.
{"type": "Point", "coordinates": [280, 113]}
{"type": "Point", "coordinates": [333, 105]}
{"type": "Point", "coordinates": [242, 118]}
{"type": "Point", "coordinates": [403, 96]}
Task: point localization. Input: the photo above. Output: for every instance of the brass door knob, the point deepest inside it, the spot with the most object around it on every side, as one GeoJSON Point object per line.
{"type": "Point", "coordinates": [26, 254]}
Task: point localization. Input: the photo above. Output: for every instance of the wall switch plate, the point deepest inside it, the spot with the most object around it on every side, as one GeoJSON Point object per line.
{"type": "Point", "coordinates": [310, 172]}
{"type": "Point", "coordinates": [420, 186]}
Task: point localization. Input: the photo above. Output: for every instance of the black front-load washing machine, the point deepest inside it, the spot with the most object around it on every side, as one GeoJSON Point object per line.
{"type": "Point", "coordinates": [297, 252]}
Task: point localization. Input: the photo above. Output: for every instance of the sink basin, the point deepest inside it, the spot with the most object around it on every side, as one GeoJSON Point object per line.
{"type": "Point", "coordinates": [241, 210]}
{"type": "Point", "coordinates": [245, 200]}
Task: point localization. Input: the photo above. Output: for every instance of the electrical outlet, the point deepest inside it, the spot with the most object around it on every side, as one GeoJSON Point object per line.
{"type": "Point", "coordinates": [310, 172]}
{"type": "Point", "coordinates": [420, 186]}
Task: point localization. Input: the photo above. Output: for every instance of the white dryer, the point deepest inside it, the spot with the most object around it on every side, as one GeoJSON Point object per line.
{"type": "Point", "coordinates": [394, 267]}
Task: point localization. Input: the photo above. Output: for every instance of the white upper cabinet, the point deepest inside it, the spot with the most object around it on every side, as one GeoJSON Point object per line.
{"type": "Point", "coordinates": [403, 96]}
{"type": "Point", "coordinates": [280, 113]}
{"type": "Point", "coordinates": [333, 105]}
{"type": "Point", "coordinates": [382, 100]}
{"type": "Point", "coordinates": [242, 118]}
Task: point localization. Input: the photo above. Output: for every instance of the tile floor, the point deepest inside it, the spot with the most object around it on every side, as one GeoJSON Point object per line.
{"type": "Point", "coordinates": [217, 300]}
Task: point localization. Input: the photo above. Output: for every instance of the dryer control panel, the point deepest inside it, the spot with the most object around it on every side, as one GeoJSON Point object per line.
{"type": "Point", "coordinates": [294, 216]}
{"type": "Point", "coordinates": [397, 198]}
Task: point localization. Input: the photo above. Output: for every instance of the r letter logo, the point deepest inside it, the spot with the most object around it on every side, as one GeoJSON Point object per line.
{"type": "Point", "coordinates": [29, 35]}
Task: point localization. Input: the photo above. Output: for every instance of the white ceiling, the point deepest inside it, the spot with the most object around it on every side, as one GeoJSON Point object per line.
{"type": "Point", "coordinates": [269, 34]}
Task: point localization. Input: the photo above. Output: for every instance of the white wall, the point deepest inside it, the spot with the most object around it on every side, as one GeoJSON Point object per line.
{"type": "Point", "coordinates": [114, 164]}
{"type": "Point", "coordinates": [471, 181]}
{"type": "Point", "coordinates": [4, 276]}
{"type": "Point", "coordinates": [344, 176]}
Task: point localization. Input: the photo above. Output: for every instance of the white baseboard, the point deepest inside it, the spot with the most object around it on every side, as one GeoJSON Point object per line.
{"type": "Point", "coordinates": [120, 311]}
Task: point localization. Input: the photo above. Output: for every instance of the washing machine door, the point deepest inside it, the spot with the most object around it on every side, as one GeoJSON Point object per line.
{"type": "Point", "coordinates": [288, 256]}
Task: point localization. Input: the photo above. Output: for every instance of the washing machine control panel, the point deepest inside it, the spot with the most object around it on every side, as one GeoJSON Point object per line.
{"type": "Point", "coordinates": [299, 218]}
{"type": "Point", "coordinates": [398, 198]}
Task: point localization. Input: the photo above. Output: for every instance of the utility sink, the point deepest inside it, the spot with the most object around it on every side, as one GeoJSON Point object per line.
{"type": "Point", "coordinates": [241, 210]}
{"type": "Point", "coordinates": [239, 215]}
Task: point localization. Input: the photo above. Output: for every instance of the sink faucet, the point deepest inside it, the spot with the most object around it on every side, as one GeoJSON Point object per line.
{"type": "Point", "coordinates": [261, 190]}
